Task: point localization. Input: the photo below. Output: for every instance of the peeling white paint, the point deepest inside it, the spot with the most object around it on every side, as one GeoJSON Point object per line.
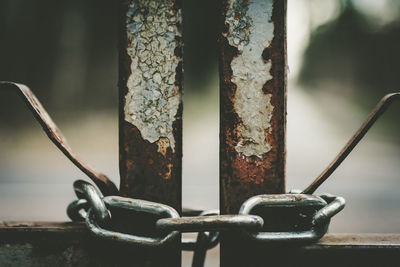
{"type": "Point", "coordinates": [153, 98]}
{"type": "Point", "coordinates": [251, 30]}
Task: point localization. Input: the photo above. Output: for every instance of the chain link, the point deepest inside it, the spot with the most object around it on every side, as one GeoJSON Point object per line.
{"type": "Point", "coordinates": [205, 240]}
{"type": "Point", "coordinates": [77, 210]}
{"type": "Point", "coordinates": [133, 205]}
{"type": "Point", "coordinates": [93, 208]}
{"type": "Point", "coordinates": [95, 199]}
{"type": "Point", "coordinates": [326, 207]}
{"type": "Point", "coordinates": [210, 223]}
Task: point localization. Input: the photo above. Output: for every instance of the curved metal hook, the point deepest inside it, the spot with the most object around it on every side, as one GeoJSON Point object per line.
{"type": "Point", "coordinates": [380, 108]}
{"type": "Point", "coordinates": [106, 186]}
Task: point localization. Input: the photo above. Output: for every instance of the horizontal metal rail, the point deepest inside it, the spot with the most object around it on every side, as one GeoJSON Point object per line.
{"type": "Point", "coordinates": [70, 244]}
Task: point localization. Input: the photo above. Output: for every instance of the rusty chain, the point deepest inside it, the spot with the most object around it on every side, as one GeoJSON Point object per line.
{"type": "Point", "coordinates": [96, 210]}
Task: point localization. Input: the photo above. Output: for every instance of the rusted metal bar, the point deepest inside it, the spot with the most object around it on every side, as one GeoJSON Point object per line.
{"type": "Point", "coordinates": [150, 89]}
{"type": "Point", "coordinates": [50, 128]}
{"type": "Point", "coordinates": [253, 100]}
{"type": "Point", "coordinates": [253, 107]}
{"type": "Point", "coordinates": [380, 108]}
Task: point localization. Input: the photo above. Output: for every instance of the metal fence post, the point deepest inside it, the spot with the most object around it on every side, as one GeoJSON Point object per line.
{"type": "Point", "coordinates": [150, 85]}
{"type": "Point", "coordinates": [253, 109]}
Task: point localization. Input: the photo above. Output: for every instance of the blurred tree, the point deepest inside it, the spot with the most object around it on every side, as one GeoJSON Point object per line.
{"type": "Point", "coordinates": [352, 56]}
{"type": "Point", "coordinates": [64, 50]}
{"type": "Point", "coordinates": [350, 53]}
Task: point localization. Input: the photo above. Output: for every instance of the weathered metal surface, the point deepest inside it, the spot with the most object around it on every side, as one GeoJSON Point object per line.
{"type": "Point", "coordinates": [252, 110]}
{"type": "Point", "coordinates": [150, 100]}
{"type": "Point", "coordinates": [253, 100]}
{"type": "Point", "coordinates": [211, 223]}
{"type": "Point", "coordinates": [150, 89]}
{"type": "Point", "coordinates": [380, 108]}
{"type": "Point", "coordinates": [101, 180]}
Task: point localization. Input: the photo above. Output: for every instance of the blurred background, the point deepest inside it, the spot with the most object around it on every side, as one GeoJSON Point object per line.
{"type": "Point", "coordinates": [343, 56]}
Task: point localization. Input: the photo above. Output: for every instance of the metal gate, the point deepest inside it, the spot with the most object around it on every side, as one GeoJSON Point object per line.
{"type": "Point", "coordinates": [140, 224]}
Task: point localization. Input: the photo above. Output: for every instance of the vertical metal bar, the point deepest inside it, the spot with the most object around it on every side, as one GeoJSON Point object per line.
{"type": "Point", "coordinates": [150, 85]}
{"type": "Point", "coordinates": [253, 108]}
{"type": "Point", "coordinates": [200, 251]}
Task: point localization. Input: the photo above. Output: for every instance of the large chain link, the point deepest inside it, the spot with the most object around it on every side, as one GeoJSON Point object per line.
{"type": "Point", "coordinates": [93, 208]}
{"type": "Point", "coordinates": [326, 207]}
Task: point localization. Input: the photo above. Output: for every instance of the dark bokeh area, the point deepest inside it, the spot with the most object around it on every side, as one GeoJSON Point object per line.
{"type": "Point", "coordinates": [355, 56]}
{"type": "Point", "coordinates": [200, 38]}
{"type": "Point", "coordinates": [66, 51]}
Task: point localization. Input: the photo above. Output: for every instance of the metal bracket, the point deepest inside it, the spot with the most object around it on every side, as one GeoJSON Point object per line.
{"type": "Point", "coordinates": [106, 186]}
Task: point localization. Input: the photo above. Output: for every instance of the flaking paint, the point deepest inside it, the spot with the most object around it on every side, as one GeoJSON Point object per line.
{"type": "Point", "coordinates": [251, 30]}
{"type": "Point", "coordinates": [153, 98]}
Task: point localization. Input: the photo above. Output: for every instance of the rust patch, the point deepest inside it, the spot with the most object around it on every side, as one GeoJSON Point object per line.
{"type": "Point", "coordinates": [250, 30]}
{"type": "Point", "coordinates": [167, 174]}
{"type": "Point", "coordinates": [163, 144]}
